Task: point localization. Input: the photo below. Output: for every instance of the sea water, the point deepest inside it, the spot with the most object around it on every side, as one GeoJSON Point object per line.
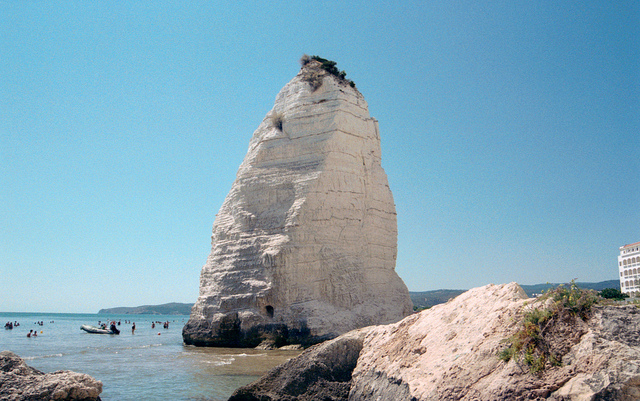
{"type": "Point", "coordinates": [150, 364]}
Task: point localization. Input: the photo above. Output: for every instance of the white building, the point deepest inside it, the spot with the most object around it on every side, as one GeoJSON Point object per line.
{"type": "Point", "coordinates": [629, 267]}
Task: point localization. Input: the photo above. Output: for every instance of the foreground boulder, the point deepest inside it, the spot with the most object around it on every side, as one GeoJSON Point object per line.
{"type": "Point", "coordinates": [322, 372]}
{"type": "Point", "coordinates": [451, 352]}
{"type": "Point", "coordinates": [20, 382]}
{"type": "Point", "coordinates": [304, 245]}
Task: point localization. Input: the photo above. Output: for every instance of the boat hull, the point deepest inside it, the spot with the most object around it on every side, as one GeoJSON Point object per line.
{"type": "Point", "coordinates": [96, 330]}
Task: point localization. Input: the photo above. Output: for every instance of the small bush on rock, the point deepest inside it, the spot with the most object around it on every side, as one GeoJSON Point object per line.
{"type": "Point", "coordinates": [328, 66]}
{"type": "Point", "coordinates": [614, 294]}
{"type": "Point", "coordinates": [541, 339]}
{"type": "Point", "coordinates": [305, 59]}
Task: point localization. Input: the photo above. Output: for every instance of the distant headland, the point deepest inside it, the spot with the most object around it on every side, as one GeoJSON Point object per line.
{"type": "Point", "coordinates": [173, 308]}
{"type": "Point", "coordinates": [421, 299]}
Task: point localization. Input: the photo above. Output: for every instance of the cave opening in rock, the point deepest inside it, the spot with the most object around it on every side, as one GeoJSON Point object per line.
{"type": "Point", "coordinates": [269, 310]}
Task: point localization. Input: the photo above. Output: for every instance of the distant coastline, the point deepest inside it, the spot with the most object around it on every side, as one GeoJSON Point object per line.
{"type": "Point", "coordinates": [420, 299]}
{"type": "Point", "coordinates": [173, 308]}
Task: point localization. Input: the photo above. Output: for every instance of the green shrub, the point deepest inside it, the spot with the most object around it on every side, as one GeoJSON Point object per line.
{"type": "Point", "coordinates": [526, 340]}
{"type": "Point", "coordinates": [532, 343]}
{"type": "Point", "coordinates": [573, 299]}
{"type": "Point", "coordinates": [329, 66]}
{"type": "Point", "coordinates": [613, 293]}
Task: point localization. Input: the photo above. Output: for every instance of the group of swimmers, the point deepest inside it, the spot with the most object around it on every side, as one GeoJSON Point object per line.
{"type": "Point", "coordinates": [11, 325]}
{"type": "Point", "coordinates": [31, 333]}
{"type": "Point", "coordinates": [104, 324]}
{"type": "Point", "coordinates": [165, 325]}
{"type": "Point", "coordinates": [112, 326]}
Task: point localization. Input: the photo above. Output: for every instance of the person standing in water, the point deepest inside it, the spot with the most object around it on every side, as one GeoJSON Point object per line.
{"type": "Point", "coordinates": [133, 328]}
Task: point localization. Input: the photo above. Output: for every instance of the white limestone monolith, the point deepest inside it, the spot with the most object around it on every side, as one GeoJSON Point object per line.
{"type": "Point", "coordinates": [304, 245]}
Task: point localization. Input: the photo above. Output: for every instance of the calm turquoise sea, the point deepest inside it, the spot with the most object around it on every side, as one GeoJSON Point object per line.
{"type": "Point", "coordinates": [151, 364]}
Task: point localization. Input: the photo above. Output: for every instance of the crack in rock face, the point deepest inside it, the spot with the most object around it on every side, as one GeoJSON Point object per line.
{"type": "Point", "coordinates": [305, 243]}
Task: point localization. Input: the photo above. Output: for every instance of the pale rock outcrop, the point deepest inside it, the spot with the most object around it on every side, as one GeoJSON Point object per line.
{"type": "Point", "coordinates": [450, 352]}
{"type": "Point", "coordinates": [304, 245]}
{"type": "Point", "coordinates": [20, 382]}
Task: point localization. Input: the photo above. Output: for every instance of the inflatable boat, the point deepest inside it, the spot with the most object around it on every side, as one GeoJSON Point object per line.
{"type": "Point", "coordinates": [98, 330]}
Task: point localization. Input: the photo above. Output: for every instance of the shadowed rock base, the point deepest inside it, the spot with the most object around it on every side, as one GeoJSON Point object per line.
{"type": "Point", "coordinates": [229, 333]}
{"type": "Point", "coordinates": [322, 372]}
{"type": "Point", "coordinates": [19, 382]}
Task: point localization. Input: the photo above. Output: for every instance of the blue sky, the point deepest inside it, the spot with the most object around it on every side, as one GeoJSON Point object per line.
{"type": "Point", "coordinates": [510, 136]}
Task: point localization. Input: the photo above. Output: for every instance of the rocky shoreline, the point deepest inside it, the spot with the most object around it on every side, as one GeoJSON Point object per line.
{"type": "Point", "coordinates": [20, 382]}
{"type": "Point", "coordinates": [452, 352]}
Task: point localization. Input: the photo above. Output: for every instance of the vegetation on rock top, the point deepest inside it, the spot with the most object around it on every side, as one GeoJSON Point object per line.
{"type": "Point", "coordinates": [548, 332]}
{"type": "Point", "coordinates": [328, 66]}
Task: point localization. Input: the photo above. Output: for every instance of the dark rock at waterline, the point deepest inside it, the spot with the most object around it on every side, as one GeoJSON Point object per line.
{"type": "Point", "coordinates": [228, 332]}
{"type": "Point", "coordinates": [20, 382]}
{"type": "Point", "coordinates": [322, 372]}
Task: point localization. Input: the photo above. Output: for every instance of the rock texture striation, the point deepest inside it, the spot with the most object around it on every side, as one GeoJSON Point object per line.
{"type": "Point", "coordinates": [304, 245]}
{"type": "Point", "coordinates": [450, 352]}
{"type": "Point", "coordinates": [19, 382]}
